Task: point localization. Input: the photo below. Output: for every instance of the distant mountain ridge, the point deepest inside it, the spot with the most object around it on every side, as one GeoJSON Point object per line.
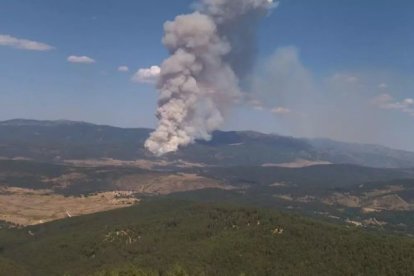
{"type": "Point", "coordinates": [26, 122]}
{"type": "Point", "coordinates": [69, 140]}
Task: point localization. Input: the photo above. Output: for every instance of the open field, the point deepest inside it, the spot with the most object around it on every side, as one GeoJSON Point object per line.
{"type": "Point", "coordinates": [33, 193]}
{"type": "Point", "coordinates": [30, 207]}
{"type": "Point", "coordinates": [167, 184]}
{"type": "Point", "coordinates": [300, 163]}
{"type": "Point", "coordinates": [143, 164]}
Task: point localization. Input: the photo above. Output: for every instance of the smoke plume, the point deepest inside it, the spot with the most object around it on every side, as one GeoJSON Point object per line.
{"type": "Point", "coordinates": [211, 50]}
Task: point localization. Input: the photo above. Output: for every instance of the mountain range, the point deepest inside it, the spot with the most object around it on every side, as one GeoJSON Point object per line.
{"type": "Point", "coordinates": [68, 140]}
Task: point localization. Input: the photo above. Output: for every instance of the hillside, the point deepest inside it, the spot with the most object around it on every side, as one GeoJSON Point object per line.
{"type": "Point", "coordinates": [200, 239]}
{"type": "Point", "coordinates": [59, 141]}
{"type": "Point", "coordinates": [34, 192]}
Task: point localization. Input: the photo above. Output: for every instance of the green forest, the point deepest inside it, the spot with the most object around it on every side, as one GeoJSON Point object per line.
{"type": "Point", "coordinates": [171, 237]}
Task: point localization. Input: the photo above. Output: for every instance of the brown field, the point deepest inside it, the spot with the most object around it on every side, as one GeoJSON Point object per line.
{"type": "Point", "coordinates": [143, 164]}
{"type": "Point", "coordinates": [298, 164]}
{"type": "Point", "coordinates": [30, 207]}
{"type": "Point", "coordinates": [167, 184]}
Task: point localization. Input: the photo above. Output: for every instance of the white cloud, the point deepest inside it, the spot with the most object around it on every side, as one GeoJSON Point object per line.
{"type": "Point", "coordinates": [123, 68]}
{"type": "Point", "coordinates": [147, 75]}
{"type": "Point", "coordinates": [81, 59]}
{"type": "Point", "coordinates": [24, 44]}
{"type": "Point", "coordinates": [281, 110]}
{"type": "Point", "coordinates": [409, 102]}
{"type": "Point", "coordinates": [386, 101]}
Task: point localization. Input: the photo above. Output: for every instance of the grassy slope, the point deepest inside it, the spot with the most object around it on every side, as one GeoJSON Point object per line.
{"type": "Point", "coordinates": [210, 239]}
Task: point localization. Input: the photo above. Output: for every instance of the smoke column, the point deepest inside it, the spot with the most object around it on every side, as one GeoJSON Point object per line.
{"type": "Point", "coordinates": [211, 50]}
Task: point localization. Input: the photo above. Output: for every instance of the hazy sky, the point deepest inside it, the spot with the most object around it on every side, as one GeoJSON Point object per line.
{"type": "Point", "coordinates": [325, 68]}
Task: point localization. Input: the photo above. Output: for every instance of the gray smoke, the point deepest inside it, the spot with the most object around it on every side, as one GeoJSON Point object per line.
{"type": "Point", "coordinates": [211, 50]}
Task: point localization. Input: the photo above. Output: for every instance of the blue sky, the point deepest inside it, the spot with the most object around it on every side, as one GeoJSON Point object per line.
{"type": "Point", "coordinates": [354, 61]}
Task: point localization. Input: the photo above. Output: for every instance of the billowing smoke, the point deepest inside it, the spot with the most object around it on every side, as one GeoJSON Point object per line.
{"type": "Point", "coordinates": [210, 49]}
{"type": "Point", "coordinates": [147, 75]}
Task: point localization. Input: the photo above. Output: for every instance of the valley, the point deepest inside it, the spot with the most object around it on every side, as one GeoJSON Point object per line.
{"type": "Point", "coordinates": [37, 192]}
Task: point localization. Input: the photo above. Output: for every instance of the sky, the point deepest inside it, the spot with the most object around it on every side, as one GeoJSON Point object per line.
{"type": "Point", "coordinates": [324, 68]}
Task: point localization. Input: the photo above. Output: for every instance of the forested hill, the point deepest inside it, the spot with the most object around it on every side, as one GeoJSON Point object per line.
{"type": "Point", "coordinates": [182, 238]}
{"type": "Point", "coordinates": [66, 140]}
